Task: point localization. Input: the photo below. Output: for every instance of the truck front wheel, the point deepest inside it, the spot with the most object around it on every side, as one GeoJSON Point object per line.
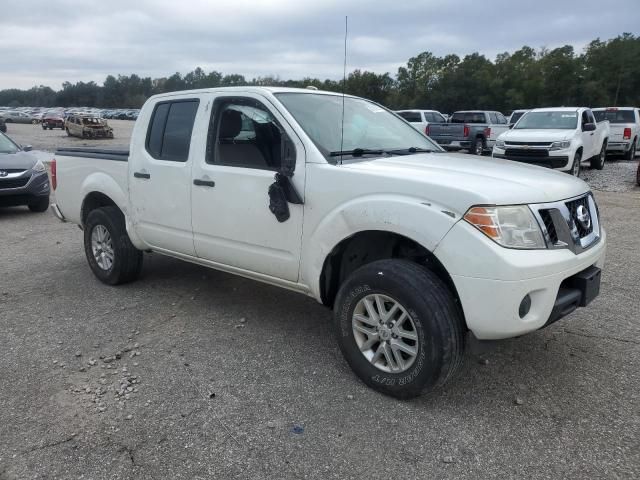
{"type": "Point", "coordinates": [399, 328]}
{"type": "Point", "coordinates": [111, 255]}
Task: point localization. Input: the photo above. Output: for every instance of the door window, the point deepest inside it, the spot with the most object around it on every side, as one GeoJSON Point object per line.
{"type": "Point", "coordinates": [244, 133]}
{"type": "Point", "coordinates": [169, 134]}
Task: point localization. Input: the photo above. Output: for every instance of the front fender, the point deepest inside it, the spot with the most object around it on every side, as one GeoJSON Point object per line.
{"type": "Point", "coordinates": [420, 220]}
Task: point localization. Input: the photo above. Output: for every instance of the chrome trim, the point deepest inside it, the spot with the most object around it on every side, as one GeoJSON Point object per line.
{"type": "Point", "coordinates": [56, 211]}
{"type": "Point", "coordinates": [14, 174]}
{"type": "Point", "coordinates": [566, 230]}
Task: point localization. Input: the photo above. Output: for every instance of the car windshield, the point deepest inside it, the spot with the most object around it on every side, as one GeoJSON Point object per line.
{"type": "Point", "coordinates": [548, 120]}
{"type": "Point", "coordinates": [515, 116]}
{"type": "Point", "coordinates": [7, 146]}
{"type": "Point", "coordinates": [615, 116]}
{"type": "Point", "coordinates": [368, 128]}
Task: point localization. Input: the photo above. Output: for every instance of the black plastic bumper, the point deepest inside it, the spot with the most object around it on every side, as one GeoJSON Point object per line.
{"type": "Point", "coordinates": [576, 291]}
{"type": "Point", "coordinates": [549, 162]}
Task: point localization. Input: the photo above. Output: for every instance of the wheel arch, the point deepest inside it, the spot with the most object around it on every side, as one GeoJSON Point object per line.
{"type": "Point", "coordinates": [368, 246]}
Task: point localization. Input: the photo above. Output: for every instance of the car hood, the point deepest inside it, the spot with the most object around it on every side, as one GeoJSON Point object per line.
{"type": "Point", "coordinates": [459, 181]}
{"type": "Point", "coordinates": [24, 160]}
{"type": "Point", "coordinates": [544, 135]}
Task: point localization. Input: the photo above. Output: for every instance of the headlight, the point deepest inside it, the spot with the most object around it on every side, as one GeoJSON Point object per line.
{"type": "Point", "coordinates": [560, 145]}
{"type": "Point", "coordinates": [510, 226]}
{"type": "Point", "coordinates": [39, 167]}
{"type": "Point", "coordinates": [500, 144]}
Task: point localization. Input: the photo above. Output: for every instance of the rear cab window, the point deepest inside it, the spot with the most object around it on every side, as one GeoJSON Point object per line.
{"type": "Point", "coordinates": [615, 116]}
{"type": "Point", "coordinates": [170, 128]}
{"type": "Point", "coordinates": [413, 117]}
{"type": "Point", "coordinates": [468, 117]}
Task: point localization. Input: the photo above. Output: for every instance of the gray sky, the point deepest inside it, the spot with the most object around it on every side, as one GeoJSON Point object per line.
{"type": "Point", "coordinates": [48, 42]}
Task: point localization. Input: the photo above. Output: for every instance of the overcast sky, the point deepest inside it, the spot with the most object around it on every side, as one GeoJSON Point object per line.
{"type": "Point", "coordinates": [48, 42]}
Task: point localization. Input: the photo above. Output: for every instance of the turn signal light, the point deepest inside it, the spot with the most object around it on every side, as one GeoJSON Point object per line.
{"type": "Point", "coordinates": [484, 220]}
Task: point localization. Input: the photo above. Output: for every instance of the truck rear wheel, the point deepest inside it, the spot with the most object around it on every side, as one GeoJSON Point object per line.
{"type": "Point", "coordinates": [399, 328]}
{"type": "Point", "coordinates": [478, 146]}
{"type": "Point", "coordinates": [111, 255]}
{"type": "Point", "coordinates": [597, 162]}
{"type": "Point", "coordinates": [631, 153]}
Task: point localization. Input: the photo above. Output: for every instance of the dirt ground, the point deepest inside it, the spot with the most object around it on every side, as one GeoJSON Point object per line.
{"type": "Point", "coordinates": [197, 374]}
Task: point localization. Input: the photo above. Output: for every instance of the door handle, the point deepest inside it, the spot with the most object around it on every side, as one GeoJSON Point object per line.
{"type": "Point", "coordinates": [204, 183]}
{"type": "Point", "coordinates": [141, 175]}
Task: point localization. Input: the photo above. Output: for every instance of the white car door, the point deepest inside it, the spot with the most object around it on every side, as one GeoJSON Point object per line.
{"type": "Point", "coordinates": [160, 174]}
{"type": "Point", "coordinates": [232, 222]}
{"type": "Point", "coordinates": [588, 138]}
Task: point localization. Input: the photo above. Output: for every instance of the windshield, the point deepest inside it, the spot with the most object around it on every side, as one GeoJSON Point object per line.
{"type": "Point", "coordinates": [367, 126]}
{"type": "Point", "coordinates": [7, 146]}
{"type": "Point", "coordinates": [548, 120]}
{"type": "Point", "coordinates": [615, 116]}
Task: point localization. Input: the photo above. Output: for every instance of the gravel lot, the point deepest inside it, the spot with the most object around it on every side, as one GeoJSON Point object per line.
{"type": "Point", "coordinates": [192, 373]}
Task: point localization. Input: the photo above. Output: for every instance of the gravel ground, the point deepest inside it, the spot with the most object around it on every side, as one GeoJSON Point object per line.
{"type": "Point", "coordinates": [193, 373]}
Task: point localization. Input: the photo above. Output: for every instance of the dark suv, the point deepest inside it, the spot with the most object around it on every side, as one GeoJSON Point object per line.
{"type": "Point", "coordinates": [23, 178]}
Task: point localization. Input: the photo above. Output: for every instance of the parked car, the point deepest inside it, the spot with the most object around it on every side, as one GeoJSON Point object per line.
{"type": "Point", "coordinates": [3, 125]}
{"type": "Point", "coordinates": [52, 120]}
{"type": "Point", "coordinates": [475, 131]}
{"type": "Point", "coordinates": [515, 116]}
{"type": "Point", "coordinates": [13, 116]}
{"type": "Point", "coordinates": [411, 246]}
{"type": "Point", "coordinates": [23, 178]}
{"type": "Point", "coordinates": [87, 126]}
{"type": "Point", "coordinates": [559, 138]}
{"type": "Point", "coordinates": [624, 125]}
{"type": "Point", "coordinates": [420, 119]}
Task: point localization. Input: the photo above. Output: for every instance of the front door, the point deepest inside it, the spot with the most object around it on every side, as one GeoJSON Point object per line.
{"type": "Point", "coordinates": [232, 222]}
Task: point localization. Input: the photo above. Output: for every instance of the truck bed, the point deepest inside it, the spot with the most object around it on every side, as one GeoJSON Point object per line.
{"type": "Point", "coordinates": [120, 155]}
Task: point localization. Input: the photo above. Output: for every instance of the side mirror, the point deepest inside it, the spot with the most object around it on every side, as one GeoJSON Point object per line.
{"type": "Point", "coordinates": [589, 127]}
{"type": "Point", "coordinates": [287, 156]}
{"type": "Point", "coordinates": [511, 125]}
{"type": "Point", "coordinates": [27, 148]}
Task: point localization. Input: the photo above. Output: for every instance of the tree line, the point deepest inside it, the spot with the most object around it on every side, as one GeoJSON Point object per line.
{"type": "Point", "coordinates": [606, 73]}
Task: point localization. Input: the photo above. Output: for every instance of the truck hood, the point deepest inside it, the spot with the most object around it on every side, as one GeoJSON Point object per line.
{"type": "Point", "coordinates": [459, 181]}
{"type": "Point", "coordinates": [550, 135]}
{"type": "Point", "coordinates": [21, 160]}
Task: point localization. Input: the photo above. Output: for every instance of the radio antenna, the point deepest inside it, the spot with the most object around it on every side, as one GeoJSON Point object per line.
{"type": "Point", "coordinates": [344, 83]}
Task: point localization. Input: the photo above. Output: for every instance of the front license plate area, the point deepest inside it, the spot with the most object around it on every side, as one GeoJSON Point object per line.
{"type": "Point", "coordinates": [588, 282]}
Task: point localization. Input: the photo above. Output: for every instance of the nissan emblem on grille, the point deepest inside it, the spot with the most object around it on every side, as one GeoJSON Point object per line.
{"type": "Point", "coordinates": [3, 173]}
{"type": "Point", "coordinates": [582, 215]}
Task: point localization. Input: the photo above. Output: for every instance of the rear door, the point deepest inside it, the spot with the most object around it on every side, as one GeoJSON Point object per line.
{"type": "Point", "coordinates": [498, 127]}
{"type": "Point", "coordinates": [160, 174]}
{"type": "Point", "coordinates": [232, 222]}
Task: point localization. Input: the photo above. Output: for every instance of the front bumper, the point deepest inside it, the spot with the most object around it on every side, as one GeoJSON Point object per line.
{"type": "Point", "coordinates": [492, 281]}
{"type": "Point", "coordinates": [551, 161]}
{"type": "Point", "coordinates": [35, 188]}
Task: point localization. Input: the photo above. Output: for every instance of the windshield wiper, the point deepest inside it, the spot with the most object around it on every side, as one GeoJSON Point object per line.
{"type": "Point", "coordinates": [412, 150]}
{"type": "Point", "coordinates": [357, 152]}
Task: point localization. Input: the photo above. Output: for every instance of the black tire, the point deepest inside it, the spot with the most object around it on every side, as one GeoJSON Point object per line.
{"type": "Point", "coordinates": [44, 127]}
{"type": "Point", "coordinates": [478, 146]}
{"type": "Point", "coordinates": [631, 154]}
{"type": "Point", "coordinates": [576, 165]}
{"type": "Point", "coordinates": [39, 206]}
{"type": "Point", "coordinates": [638, 175]}
{"type": "Point", "coordinates": [597, 162]}
{"type": "Point", "coordinates": [69, 134]}
{"type": "Point", "coordinates": [127, 261]}
{"type": "Point", "coordinates": [430, 304]}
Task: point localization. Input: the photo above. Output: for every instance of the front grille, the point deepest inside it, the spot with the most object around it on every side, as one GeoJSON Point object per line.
{"type": "Point", "coordinates": [533, 144]}
{"type": "Point", "coordinates": [573, 207]}
{"type": "Point", "coordinates": [526, 152]}
{"type": "Point", "coordinates": [13, 182]}
{"type": "Point", "coordinates": [548, 223]}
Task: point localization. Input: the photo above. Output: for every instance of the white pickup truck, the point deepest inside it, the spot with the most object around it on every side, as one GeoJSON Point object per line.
{"type": "Point", "coordinates": [625, 129]}
{"type": "Point", "coordinates": [559, 138]}
{"type": "Point", "coordinates": [410, 246]}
